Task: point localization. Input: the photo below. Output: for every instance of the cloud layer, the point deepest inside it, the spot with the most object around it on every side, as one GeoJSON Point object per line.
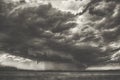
{"type": "Point", "coordinates": [52, 32]}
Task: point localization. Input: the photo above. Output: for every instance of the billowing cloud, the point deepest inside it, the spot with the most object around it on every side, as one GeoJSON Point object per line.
{"type": "Point", "coordinates": [52, 32]}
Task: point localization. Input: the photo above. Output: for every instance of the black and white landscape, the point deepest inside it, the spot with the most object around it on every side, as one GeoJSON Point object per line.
{"type": "Point", "coordinates": [71, 35]}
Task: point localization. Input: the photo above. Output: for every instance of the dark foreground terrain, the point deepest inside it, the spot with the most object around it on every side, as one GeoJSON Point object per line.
{"type": "Point", "coordinates": [40, 75]}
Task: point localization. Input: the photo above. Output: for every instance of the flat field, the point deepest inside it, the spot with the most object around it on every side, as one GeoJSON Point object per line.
{"type": "Point", "coordinates": [54, 75]}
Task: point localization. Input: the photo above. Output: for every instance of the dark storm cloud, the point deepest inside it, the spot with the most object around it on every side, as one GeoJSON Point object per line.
{"type": "Point", "coordinates": [105, 15]}
{"type": "Point", "coordinates": [109, 25]}
{"type": "Point", "coordinates": [43, 32]}
{"type": "Point", "coordinates": [31, 27]}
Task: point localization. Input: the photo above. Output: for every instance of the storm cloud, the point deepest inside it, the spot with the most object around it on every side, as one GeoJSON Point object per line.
{"type": "Point", "coordinates": [42, 31]}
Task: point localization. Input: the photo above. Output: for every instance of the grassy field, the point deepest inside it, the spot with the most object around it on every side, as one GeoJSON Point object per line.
{"type": "Point", "coordinates": [40, 75]}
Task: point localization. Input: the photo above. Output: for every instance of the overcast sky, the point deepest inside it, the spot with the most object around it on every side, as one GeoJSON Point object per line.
{"type": "Point", "coordinates": [87, 39]}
